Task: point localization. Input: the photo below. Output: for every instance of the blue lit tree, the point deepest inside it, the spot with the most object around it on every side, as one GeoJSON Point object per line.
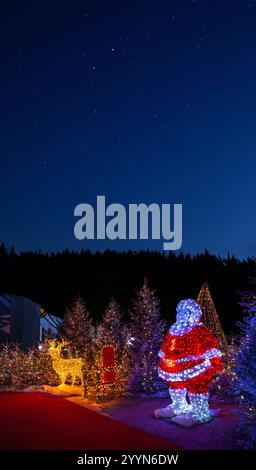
{"type": "Point", "coordinates": [246, 372]}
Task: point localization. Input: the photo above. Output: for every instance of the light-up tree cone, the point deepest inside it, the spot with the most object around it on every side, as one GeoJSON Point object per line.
{"type": "Point", "coordinates": [210, 316]}
{"type": "Point", "coordinates": [189, 357]}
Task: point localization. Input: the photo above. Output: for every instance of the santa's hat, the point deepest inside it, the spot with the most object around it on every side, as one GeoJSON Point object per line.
{"type": "Point", "coordinates": [189, 307]}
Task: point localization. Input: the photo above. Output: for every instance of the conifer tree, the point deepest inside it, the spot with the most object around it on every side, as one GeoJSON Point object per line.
{"type": "Point", "coordinates": [246, 371]}
{"type": "Point", "coordinates": [146, 335]}
{"type": "Point", "coordinates": [112, 329]}
{"type": "Point", "coordinates": [78, 329]}
{"type": "Point", "coordinates": [210, 316]}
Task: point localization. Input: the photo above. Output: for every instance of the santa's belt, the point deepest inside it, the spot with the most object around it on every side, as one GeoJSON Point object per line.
{"type": "Point", "coordinates": [210, 354]}
{"type": "Point", "coordinates": [185, 374]}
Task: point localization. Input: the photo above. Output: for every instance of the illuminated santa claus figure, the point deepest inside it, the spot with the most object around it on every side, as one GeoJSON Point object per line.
{"type": "Point", "coordinates": [189, 358]}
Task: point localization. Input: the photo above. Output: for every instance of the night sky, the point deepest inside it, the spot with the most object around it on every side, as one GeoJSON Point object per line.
{"type": "Point", "coordinates": [141, 101]}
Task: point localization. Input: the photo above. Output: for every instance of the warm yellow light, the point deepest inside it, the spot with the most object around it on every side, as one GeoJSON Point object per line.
{"type": "Point", "coordinates": [170, 363]}
{"type": "Point", "coordinates": [65, 368]}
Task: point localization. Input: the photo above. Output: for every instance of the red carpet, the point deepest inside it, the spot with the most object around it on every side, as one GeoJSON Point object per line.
{"type": "Point", "coordinates": [37, 421]}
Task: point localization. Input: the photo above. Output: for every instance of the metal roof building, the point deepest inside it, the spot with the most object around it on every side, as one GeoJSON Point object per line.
{"type": "Point", "coordinates": [24, 321]}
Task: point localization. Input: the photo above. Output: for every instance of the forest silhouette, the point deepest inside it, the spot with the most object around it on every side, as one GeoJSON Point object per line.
{"type": "Point", "coordinates": [54, 280]}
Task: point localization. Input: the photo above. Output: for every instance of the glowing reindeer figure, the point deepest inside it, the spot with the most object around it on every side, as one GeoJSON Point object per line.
{"type": "Point", "coordinates": [65, 368]}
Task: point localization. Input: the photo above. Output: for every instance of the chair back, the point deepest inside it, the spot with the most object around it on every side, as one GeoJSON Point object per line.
{"type": "Point", "coordinates": [108, 357]}
{"type": "Point", "coordinates": [108, 364]}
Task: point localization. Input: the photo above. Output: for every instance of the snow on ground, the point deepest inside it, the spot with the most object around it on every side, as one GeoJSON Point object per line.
{"type": "Point", "coordinates": [219, 434]}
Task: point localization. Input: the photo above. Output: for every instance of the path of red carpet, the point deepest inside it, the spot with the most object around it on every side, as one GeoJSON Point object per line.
{"type": "Point", "coordinates": [37, 421]}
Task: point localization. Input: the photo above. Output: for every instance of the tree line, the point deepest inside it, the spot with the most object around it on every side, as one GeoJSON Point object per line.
{"type": "Point", "coordinates": [55, 279]}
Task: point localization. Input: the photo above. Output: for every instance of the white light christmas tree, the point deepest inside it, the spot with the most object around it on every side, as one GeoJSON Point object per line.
{"type": "Point", "coordinates": [113, 332]}
{"type": "Point", "coordinates": [78, 330]}
{"type": "Point", "coordinates": [112, 329]}
{"type": "Point", "coordinates": [146, 334]}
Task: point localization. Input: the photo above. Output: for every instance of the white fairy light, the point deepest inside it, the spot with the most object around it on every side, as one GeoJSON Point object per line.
{"type": "Point", "coordinates": [188, 358]}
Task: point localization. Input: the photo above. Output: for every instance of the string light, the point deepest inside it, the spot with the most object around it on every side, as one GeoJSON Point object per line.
{"type": "Point", "coordinates": [189, 357]}
{"type": "Point", "coordinates": [107, 372]}
{"type": "Point", "coordinates": [210, 316]}
{"type": "Point", "coordinates": [65, 368]}
{"type": "Point", "coordinates": [19, 369]}
{"type": "Point", "coordinates": [200, 407]}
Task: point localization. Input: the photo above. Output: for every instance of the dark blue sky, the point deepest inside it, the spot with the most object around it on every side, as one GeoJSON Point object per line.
{"type": "Point", "coordinates": [143, 101]}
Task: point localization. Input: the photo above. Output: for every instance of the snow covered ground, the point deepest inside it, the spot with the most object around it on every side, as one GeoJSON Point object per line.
{"type": "Point", "coordinates": [219, 434]}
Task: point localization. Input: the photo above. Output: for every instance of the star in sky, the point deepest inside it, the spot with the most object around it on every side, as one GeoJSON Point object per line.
{"type": "Point", "coordinates": [140, 96]}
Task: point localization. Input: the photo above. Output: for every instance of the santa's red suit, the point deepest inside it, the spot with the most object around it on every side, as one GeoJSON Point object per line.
{"type": "Point", "coordinates": [189, 358]}
{"type": "Point", "coordinates": [190, 361]}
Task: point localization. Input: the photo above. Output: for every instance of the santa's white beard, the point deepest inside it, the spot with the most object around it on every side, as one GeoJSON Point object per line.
{"type": "Point", "coordinates": [180, 328]}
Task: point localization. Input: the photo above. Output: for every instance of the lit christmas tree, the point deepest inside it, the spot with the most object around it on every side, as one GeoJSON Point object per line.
{"type": "Point", "coordinates": [47, 374]}
{"type": "Point", "coordinates": [246, 371]}
{"type": "Point", "coordinates": [19, 369]}
{"type": "Point", "coordinates": [11, 364]}
{"type": "Point", "coordinates": [78, 330]}
{"type": "Point", "coordinates": [112, 331]}
{"type": "Point", "coordinates": [210, 316]}
{"type": "Point", "coordinates": [246, 381]}
{"type": "Point", "coordinates": [21, 366]}
{"type": "Point", "coordinates": [146, 334]}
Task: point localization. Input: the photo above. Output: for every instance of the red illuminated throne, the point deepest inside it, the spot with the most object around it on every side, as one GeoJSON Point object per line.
{"type": "Point", "coordinates": [106, 375]}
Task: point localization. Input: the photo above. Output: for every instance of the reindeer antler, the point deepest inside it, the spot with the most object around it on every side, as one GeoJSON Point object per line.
{"type": "Point", "coordinates": [58, 345]}
{"type": "Point", "coordinates": [64, 342]}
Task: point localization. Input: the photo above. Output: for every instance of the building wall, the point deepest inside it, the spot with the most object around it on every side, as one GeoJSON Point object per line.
{"type": "Point", "coordinates": [25, 321]}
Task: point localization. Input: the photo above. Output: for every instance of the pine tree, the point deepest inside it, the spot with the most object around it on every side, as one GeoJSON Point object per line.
{"type": "Point", "coordinates": [210, 316]}
{"type": "Point", "coordinates": [112, 330]}
{"type": "Point", "coordinates": [78, 329]}
{"type": "Point", "coordinates": [5, 365]}
{"type": "Point", "coordinates": [146, 335]}
{"type": "Point", "coordinates": [46, 372]}
{"type": "Point", "coordinates": [16, 367]}
{"type": "Point", "coordinates": [246, 381]}
{"type": "Point", "coordinates": [246, 370]}
{"type": "Point", "coordinates": [19, 373]}
{"type": "Point", "coordinates": [248, 300]}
